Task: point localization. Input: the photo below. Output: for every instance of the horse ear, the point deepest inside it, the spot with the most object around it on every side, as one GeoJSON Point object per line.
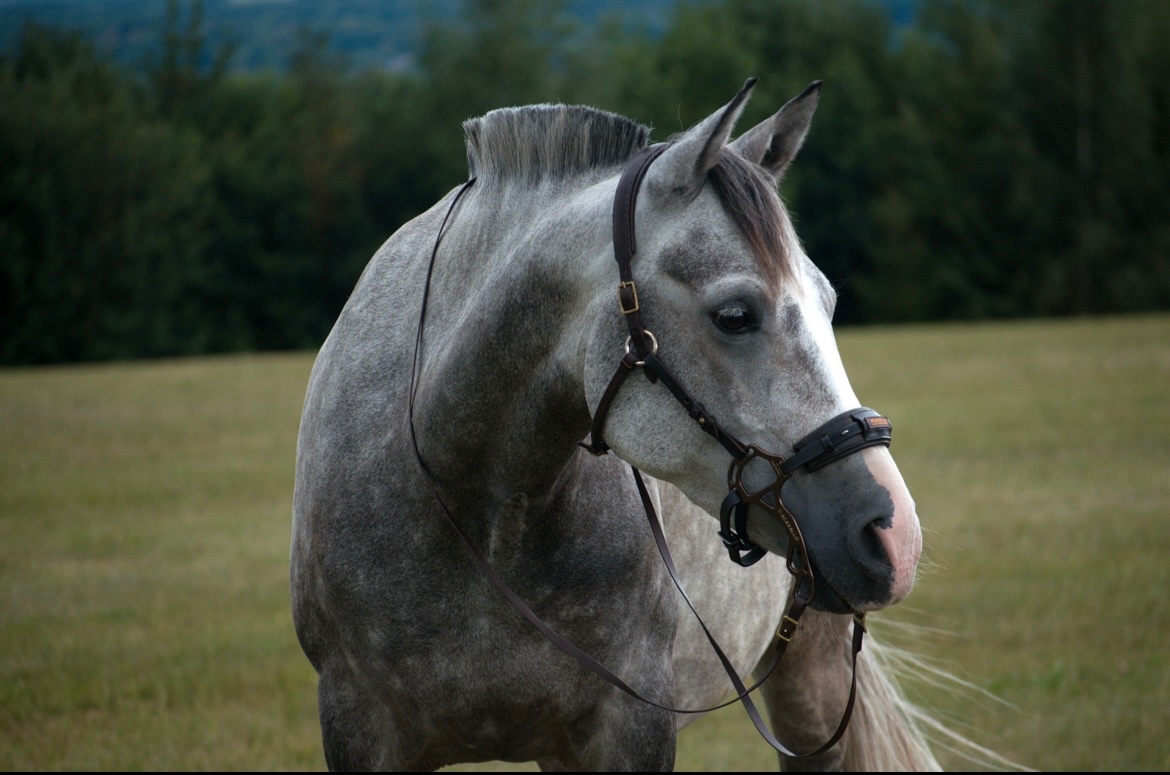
{"type": "Point", "coordinates": [773, 144]}
{"type": "Point", "coordinates": [683, 167]}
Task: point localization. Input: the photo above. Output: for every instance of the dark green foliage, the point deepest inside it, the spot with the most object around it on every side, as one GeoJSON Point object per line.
{"type": "Point", "coordinates": [985, 159]}
{"type": "Point", "coordinates": [102, 212]}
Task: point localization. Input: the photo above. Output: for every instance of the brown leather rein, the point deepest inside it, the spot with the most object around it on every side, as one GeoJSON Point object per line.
{"type": "Point", "coordinates": [843, 435]}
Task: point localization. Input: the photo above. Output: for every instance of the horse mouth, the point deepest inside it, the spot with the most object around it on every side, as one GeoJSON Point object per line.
{"type": "Point", "coordinates": [869, 569]}
{"type": "Point", "coordinates": [882, 571]}
{"type": "Point", "coordinates": [829, 600]}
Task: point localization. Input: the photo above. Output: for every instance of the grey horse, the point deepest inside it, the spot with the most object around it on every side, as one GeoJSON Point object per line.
{"type": "Point", "coordinates": [422, 662]}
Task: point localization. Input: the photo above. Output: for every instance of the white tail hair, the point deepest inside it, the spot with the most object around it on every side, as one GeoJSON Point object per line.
{"type": "Point", "coordinates": [889, 733]}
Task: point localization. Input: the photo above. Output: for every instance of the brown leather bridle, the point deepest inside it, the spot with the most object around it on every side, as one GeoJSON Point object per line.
{"type": "Point", "coordinates": [843, 435]}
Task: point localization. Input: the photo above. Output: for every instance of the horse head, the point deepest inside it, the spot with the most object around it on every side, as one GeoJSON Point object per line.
{"type": "Point", "coordinates": [743, 319]}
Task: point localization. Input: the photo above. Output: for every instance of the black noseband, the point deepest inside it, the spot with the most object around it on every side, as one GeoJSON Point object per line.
{"type": "Point", "coordinates": [843, 435]}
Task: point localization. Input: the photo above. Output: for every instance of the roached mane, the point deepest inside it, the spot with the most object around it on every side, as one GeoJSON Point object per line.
{"type": "Point", "coordinates": [537, 143]}
{"type": "Point", "coordinates": [540, 142]}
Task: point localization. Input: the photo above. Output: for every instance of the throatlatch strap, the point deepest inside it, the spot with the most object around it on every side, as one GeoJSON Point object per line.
{"type": "Point", "coordinates": [597, 445]}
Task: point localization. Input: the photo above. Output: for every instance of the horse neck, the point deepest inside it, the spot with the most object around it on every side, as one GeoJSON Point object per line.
{"type": "Point", "coordinates": [501, 400]}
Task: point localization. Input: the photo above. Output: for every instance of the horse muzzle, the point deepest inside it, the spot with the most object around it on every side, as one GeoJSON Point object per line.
{"type": "Point", "coordinates": [869, 561]}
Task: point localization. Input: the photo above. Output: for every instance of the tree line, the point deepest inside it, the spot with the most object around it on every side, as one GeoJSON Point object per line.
{"type": "Point", "coordinates": [989, 159]}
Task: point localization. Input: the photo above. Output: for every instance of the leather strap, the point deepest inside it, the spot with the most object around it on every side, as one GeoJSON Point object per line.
{"type": "Point", "coordinates": [656, 369]}
{"type": "Point", "coordinates": [642, 345]}
{"type": "Point", "coordinates": [625, 203]}
{"type": "Point", "coordinates": [422, 319]}
{"type": "Point", "coordinates": [597, 445]}
{"type": "Point", "coordinates": [843, 435]}
{"type": "Point", "coordinates": [784, 635]}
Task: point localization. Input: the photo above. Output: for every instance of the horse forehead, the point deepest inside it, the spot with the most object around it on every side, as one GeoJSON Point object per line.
{"type": "Point", "coordinates": [705, 249]}
{"type": "Point", "coordinates": [699, 242]}
{"type": "Point", "coordinates": [700, 254]}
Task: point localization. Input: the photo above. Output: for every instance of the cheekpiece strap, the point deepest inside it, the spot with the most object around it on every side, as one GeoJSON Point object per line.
{"type": "Point", "coordinates": [625, 203]}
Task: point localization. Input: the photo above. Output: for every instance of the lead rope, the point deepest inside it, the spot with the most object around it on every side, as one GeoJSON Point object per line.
{"type": "Point", "coordinates": [783, 634]}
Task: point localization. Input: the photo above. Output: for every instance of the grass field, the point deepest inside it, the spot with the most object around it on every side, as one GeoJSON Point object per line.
{"type": "Point", "coordinates": [144, 530]}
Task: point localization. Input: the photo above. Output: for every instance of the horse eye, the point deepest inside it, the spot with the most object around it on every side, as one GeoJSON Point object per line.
{"type": "Point", "coordinates": [734, 319]}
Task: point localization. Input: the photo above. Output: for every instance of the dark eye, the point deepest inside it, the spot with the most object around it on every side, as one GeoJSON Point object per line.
{"type": "Point", "coordinates": [733, 319]}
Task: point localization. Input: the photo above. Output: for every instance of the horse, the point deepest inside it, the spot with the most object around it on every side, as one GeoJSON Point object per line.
{"type": "Point", "coordinates": [451, 414]}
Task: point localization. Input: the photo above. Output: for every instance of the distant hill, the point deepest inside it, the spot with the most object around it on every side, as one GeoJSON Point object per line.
{"type": "Point", "coordinates": [369, 33]}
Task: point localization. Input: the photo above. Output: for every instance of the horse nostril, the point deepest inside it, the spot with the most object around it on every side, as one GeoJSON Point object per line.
{"type": "Point", "coordinates": [881, 522]}
{"type": "Point", "coordinates": [869, 550]}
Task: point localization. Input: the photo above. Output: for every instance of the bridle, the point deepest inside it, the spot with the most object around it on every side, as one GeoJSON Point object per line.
{"type": "Point", "coordinates": [842, 435]}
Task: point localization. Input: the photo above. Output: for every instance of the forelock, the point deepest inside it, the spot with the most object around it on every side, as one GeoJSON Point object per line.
{"type": "Point", "coordinates": [749, 194]}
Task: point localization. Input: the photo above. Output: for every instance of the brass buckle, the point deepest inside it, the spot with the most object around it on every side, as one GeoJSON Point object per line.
{"type": "Point", "coordinates": [633, 291]}
{"type": "Point", "coordinates": [787, 628]}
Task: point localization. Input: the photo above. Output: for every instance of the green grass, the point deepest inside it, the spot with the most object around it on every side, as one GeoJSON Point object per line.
{"type": "Point", "coordinates": [1039, 455]}
{"type": "Point", "coordinates": [144, 529]}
